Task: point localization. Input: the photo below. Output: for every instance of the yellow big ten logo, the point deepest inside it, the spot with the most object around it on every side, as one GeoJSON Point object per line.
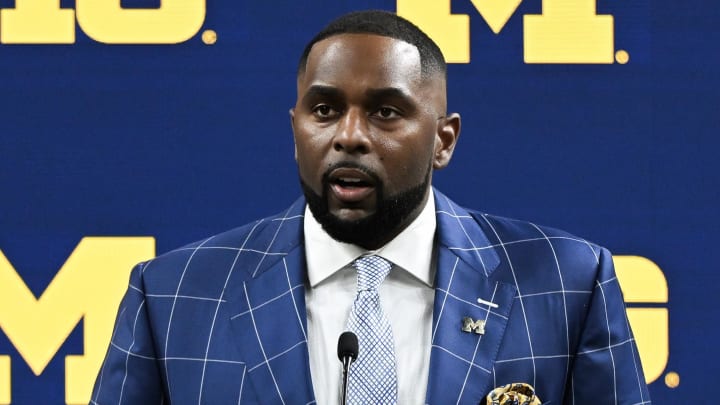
{"type": "Point", "coordinates": [44, 22]}
{"type": "Point", "coordinates": [567, 31]}
{"type": "Point", "coordinates": [643, 283]}
{"type": "Point", "coordinates": [89, 286]}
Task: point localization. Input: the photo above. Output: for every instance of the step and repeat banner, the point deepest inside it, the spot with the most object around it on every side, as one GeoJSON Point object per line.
{"type": "Point", "coordinates": [131, 127]}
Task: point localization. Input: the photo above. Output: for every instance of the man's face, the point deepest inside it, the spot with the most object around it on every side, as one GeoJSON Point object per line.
{"type": "Point", "coordinates": [368, 130]}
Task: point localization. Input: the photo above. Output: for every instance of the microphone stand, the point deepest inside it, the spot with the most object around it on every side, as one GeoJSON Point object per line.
{"type": "Point", "coordinates": [346, 365]}
{"type": "Point", "coordinates": [347, 353]}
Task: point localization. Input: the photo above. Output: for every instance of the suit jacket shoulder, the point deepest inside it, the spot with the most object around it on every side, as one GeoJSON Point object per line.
{"type": "Point", "coordinates": [179, 327]}
{"type": "Point", "coordinates": [251, 248]}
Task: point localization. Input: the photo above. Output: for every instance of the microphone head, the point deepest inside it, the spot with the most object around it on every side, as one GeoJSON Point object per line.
{"type": "Point", "coordinates": [347, 346]}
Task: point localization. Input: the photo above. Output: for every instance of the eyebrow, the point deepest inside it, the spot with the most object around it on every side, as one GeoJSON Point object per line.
{"type": "Point", "coordinates": [394, 95]}
{"type": "Point", "coordinates": [318, 90]}
{"type": "Point", "coordinates": [388, 92]}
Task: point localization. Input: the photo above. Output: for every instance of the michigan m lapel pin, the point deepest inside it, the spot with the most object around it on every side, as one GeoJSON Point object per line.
{"type": "Point", "coordinates": [469, 325]}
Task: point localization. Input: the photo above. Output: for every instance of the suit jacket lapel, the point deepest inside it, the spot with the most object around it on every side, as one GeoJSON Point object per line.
{"type": "Point", "coordinates": [269, 320]}
{"type": "Point", "coordinates": [461, 363]}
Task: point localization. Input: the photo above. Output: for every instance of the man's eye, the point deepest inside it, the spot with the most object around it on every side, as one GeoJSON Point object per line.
{"type": "Point", "coordinates": [387, 113]}
{"type": "Point", "coordinates": [323, 111]}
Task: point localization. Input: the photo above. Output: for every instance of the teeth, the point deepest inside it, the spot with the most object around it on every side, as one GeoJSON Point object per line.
{"type": "Point", "coordinates": [347, 180]}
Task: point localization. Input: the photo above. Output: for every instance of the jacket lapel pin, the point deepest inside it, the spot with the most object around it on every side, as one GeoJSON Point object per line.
{"type": "Point", "coordinates": [470, 325]}
{"type": "Point", "coordinates": [488, 303]}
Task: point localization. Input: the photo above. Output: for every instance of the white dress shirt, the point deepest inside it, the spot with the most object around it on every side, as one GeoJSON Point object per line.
{"type": "Point", "coordinates": [406, 295]}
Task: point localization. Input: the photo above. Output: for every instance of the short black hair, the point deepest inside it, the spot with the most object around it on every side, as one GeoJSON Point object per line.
{"type": "Point", "coordinates": [385, 24]}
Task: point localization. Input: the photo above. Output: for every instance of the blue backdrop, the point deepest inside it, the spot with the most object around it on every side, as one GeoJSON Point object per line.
{"type": "Point", "coordinates": [102, 139]}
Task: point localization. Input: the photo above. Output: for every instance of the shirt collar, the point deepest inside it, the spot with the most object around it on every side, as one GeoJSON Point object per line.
{"type": "Point", "coordinates": [411, 250]}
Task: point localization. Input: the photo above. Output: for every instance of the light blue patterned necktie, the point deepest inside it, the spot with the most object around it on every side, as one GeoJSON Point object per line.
{"type": "Point", "coordinates": [373, 376]}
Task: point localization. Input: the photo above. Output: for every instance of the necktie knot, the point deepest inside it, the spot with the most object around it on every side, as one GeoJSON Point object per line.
{"type": "Point", "coordinates": [371, 270]}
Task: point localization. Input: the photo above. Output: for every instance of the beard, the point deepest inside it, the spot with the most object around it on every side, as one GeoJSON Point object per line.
{"type": "Point", "coordinates": [389, 219]}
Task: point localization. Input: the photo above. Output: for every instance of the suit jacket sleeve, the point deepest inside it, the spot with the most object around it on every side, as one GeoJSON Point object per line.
{"type": "Point", "coordinates": [129, 374]}
{"type": "Point", "coordinates": [607, 368]}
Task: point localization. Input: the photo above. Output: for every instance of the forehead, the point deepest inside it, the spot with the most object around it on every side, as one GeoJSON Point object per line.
{"type": "Point", "coordinates": [369, 59]}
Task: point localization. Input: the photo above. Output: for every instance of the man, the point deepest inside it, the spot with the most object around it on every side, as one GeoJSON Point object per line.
{"type": "Point", "coordinates": [471, 301]}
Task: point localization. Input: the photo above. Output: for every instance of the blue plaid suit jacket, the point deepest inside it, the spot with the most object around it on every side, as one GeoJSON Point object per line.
{"type": "Point", "coordinates": [223, 321]}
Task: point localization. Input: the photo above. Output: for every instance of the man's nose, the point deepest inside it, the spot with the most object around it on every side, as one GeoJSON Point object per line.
{"type": "Point", "coordinates": [353, 133]}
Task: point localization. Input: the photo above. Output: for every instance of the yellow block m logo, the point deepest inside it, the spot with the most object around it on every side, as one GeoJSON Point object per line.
{"type": "Point", "coordinates": [567, 31]}
{"type": "Point", "coordinates": [89, 285]}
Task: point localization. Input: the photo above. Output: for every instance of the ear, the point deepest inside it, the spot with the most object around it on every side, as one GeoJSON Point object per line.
{"type": "Point", "coordinates": [292, 125]}
{"type": "Point", "coordinates": [448, 131]}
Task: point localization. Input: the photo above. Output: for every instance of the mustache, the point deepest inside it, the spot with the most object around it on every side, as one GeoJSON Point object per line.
{"type": "Point", "coordinates": [349, 165]}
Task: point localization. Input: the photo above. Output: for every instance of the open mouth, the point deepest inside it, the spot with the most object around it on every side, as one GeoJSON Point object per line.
{"type": "Point", "coordinates": [349, 182]}
{"type": "Point", "coordinates": [351, 185]}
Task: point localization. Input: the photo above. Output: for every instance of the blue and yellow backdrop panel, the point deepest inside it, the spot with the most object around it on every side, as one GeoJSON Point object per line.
{"type": "Point", "coordinates": [124, 123]}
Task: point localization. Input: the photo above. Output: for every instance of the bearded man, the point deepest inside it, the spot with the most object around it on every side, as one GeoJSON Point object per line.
{"type": "Point", "coordinates": [450, 305]}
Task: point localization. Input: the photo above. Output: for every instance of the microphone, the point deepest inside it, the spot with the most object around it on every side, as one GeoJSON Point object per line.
{"type": "Point", "coordinates": [347, 353]}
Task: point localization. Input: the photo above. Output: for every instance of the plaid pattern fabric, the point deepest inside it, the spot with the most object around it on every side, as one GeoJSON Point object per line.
{"type": "Point", "coordinates": [372, 377]}
{"type": "Point", "coordinates": [222, 321]}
